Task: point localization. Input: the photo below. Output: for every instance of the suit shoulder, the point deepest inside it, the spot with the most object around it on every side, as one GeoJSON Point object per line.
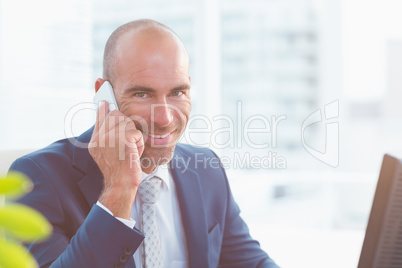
{"type": "Point", "coordinates": [61, 148]}
{"type": "Point", "coordinates": [50, 156]}
{"type": "Point", "coordinates": [61, 151]}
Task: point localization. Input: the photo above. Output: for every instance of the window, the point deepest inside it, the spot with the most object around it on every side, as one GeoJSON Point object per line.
{"type": "Point", "coordinates": [260, 69]}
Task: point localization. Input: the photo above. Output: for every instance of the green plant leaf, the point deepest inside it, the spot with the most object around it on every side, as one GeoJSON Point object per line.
{"type": "Point", "coordinates": [15, 185]}
{"type": "Point", "coordinates": [13, 255]}
{"type": "Point", "coordinates": [24, 223]}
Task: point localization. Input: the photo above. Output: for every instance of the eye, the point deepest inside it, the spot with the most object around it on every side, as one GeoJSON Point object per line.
{"type": "Point", "coordinates": [141, 94]}
{"type": "Point", "coordinates": [177, 93]}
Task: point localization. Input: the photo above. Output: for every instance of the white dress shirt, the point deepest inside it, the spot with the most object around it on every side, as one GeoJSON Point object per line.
{"type": "Point", "coordinates": [168, 220]}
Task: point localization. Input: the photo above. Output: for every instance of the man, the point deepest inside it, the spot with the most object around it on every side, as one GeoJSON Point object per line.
{"type": "Point", "coordinates": [98, 196]}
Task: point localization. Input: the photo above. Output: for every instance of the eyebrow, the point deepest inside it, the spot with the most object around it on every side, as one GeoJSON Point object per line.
{"type": "Point", "coordinates": [151, 90]}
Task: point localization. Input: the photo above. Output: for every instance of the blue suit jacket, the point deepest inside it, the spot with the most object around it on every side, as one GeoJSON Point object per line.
{"type": "Point", "coordinates": [67, 183]}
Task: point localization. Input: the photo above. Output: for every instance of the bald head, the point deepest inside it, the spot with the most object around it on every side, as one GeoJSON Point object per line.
{"type": "Point", "coordinates": [136, 31]}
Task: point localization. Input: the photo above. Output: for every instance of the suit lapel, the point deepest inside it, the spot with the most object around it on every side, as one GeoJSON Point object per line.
{"type": "Point", "coordinates": [188, 191]}
{"type": "Point", "coordinates": [192, 210]}
{"type": "Point", "coordinates": [92, 183]}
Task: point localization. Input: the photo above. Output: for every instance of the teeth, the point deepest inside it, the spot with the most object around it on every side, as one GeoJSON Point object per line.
{"type": "Point", "coordinates": [159, 136]}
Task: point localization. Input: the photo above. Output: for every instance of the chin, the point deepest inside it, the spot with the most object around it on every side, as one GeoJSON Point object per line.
{"type": "Point", "coordinates": [157, 156]}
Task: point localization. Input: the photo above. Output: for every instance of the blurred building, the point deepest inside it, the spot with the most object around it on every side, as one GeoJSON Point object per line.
{"type": "Point", "coordinates": [270, 63]}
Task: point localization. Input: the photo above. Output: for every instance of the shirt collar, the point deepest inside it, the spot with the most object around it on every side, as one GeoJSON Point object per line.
{"type": "Point", "coordinates": [161, 171]}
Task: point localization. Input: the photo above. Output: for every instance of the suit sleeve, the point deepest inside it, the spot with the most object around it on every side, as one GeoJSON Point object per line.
{"type": "Point", "coordinates": [101, 241]}
{"type": "Point", "coordinates": [239, 249]}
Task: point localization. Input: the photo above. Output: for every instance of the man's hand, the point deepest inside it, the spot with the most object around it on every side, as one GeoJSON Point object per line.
{"type": "Point", "coordinates": [116, 146]}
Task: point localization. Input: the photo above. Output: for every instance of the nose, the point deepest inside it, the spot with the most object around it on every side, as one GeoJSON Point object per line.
{"type": "Point", "coordinates": [162, 114]}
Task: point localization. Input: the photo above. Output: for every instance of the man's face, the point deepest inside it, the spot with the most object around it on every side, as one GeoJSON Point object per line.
{"type": "Point", "coordinates": [152, 87]}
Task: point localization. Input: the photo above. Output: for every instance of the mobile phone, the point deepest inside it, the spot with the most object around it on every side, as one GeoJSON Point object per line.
{"type": "Point", "coordinates": [105, 93]}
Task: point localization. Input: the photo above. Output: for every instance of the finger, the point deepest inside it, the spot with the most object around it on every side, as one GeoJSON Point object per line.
{"type": "Point", "coordinates": [109, 130]}
{"type": "Point", "coordinates": [130, 140]}
{"type": "Point", "coordinates": [135, 141]}
{"type": "Point", "coordinates": [130, 124]}
{"type": "Point", "coordinates": [136, 136]}
{"type": "Point", "coordinates": [133, 137]}
{"type": "Point", "coordinates": [107, 133]}
{"type": "Point", "coordinates": [101, 115]}
{"type": "Point", "coordinates": [140, 145]}
{"type": "Point", "coordinates": [113, 119]}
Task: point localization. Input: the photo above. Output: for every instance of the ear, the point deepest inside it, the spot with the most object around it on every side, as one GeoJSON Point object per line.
{"type": "Point", "coordinates": [98, 83]}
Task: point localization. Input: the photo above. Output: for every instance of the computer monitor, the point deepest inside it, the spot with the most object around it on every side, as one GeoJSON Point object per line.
{"type": "Point", "coordinates": [382, 246]}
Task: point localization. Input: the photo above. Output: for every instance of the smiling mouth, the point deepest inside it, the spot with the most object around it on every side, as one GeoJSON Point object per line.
{"type": "Point", "coordinates": [158, 136]}
{"type": "Point", "coordinates": [159, 140]}
{"type": "Point", "coordinates": [154, 136]}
